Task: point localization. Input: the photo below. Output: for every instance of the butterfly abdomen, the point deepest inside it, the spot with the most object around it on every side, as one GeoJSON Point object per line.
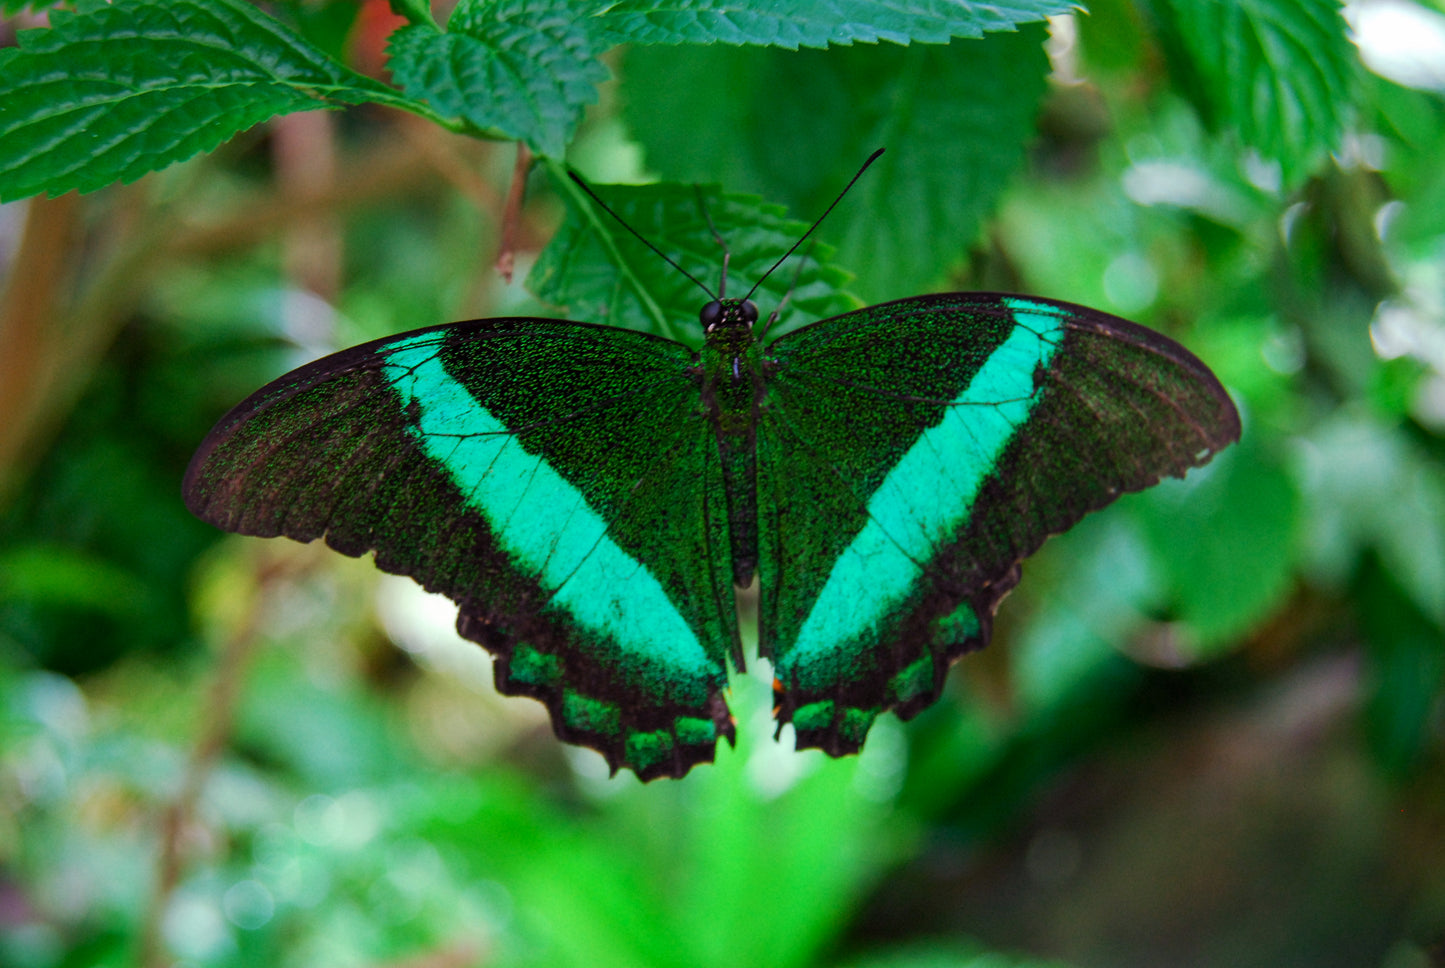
{"type": "Point", "coordinates": [732, 391]}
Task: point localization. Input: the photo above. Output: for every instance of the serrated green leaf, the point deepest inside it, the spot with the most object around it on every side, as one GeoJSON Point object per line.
{"type": "Point", "coordinates": [1279, 72]}
{"type": "Point", "coordinates": [961, 136]}
{"type": "Point", "coordinates": [955, 135]}
{"type": "Point", "coordinates": [522, 69]}
{"type": "Point", "coordinates": [602, 274]}
{"type": "Point", "coordinates": [693, 110]}
{"type": "Point", "coordinates": [122, 90]}
{"type": "Point", "coordinates": [813, 23]}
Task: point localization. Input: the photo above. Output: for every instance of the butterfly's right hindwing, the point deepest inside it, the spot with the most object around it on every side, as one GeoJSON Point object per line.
{"type": "Point", "coordinates": [557, 480]}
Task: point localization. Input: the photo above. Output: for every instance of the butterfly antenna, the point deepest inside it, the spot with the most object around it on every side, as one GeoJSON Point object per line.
{"type": "Point", "coordinates": [722, 287]}
{"type": "Point", "coordinates": [792, 287]}
{"type": "Point", "coordinates": [640, 237]}
{"type": "Point", "coordinates": [871, 158]}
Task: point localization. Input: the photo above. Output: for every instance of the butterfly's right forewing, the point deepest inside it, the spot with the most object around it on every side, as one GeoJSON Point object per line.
{"type": "Point", "coordinates": [911, 454]}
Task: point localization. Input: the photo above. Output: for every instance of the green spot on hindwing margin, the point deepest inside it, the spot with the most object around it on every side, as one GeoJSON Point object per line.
{"type": "Point", "coordinates": [645, 750]}
{"type": "Point", "coordinates": [915, 680]}
{"type": "Point", "coordinates": [814, 716]}
{"type": "Point", "coordinates": [545, 525]}
{"type": "Point", "coordinates": [533, 668]}
{"type": "Point", "coordinates": [957, 627]}
{"type": "Point", "coordinates": [692, 731]}
{"type": "Point", "coordinates": [923, 501]}
{"type": "Point", "coordinates": [852, 725]}
{"type": "Point", "coordinates": [855, 724]}
{"type": "Point", "coordinates": [590, 715]}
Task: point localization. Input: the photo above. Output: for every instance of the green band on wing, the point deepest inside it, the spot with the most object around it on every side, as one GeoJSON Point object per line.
{"type": "Point", "coordinates": [540, 520]}
{"type": "Point", "coordinates": [926, 497]}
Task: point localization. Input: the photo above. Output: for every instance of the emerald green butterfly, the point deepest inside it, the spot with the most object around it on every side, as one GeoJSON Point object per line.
{"type": "Point", "coordinates": [591, 497]}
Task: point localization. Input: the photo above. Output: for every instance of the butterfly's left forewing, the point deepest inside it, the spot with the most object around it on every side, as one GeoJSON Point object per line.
{"type": "Point", "coordinates": [557, 480]}
{"type": "Point", "coordinates": [911, 454]}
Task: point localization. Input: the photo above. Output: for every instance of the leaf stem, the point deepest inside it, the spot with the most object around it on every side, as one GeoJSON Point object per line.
{"type": "Point", "coordinates": [583, 205]}
{"type": "Point", "coordinates": [512, 214]}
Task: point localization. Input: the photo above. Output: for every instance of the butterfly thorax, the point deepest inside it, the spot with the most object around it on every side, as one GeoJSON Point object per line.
{"type": "Point", "coordinates": [732, 391]}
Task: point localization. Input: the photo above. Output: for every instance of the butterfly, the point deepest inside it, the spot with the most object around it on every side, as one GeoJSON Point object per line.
{"type": "Point", "coordinates": [591, 497]}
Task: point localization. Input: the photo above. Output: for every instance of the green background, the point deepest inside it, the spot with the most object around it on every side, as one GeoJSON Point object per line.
{"type": "Point", "coordinates": [1210, 730]}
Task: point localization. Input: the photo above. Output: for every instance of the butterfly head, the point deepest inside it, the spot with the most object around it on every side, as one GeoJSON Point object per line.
{"type": "Point", "coordinates": [728, 312]}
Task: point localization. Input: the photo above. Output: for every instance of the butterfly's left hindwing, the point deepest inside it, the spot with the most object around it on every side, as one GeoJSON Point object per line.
{"type": "Point", "coordinates": [557, 480]}
{"type": "Point", "coordinates": [911, 454]}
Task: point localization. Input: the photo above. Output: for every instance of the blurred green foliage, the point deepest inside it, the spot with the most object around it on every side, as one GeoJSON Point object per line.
{"type": "Point", "coordinates": [1210, 731]}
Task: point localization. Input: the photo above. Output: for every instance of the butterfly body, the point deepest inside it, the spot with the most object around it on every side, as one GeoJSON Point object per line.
{"type": "Point", "coordinates": [732, 391]}
{"type": "Point", "coordinates": [591, 496]}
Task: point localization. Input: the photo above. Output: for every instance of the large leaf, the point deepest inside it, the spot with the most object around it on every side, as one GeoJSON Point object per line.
{"type": "Point", "coordinates": [117, 91]}
{"type": "Point", "coordinates": [1279, 72]}
{"type": "Point", "coordinates": [1369, 485]}
{"type": "Point", "coordinates": [601, 273]}
{"type": "Point", "coordinates": [1405, 671]}
{"type": "Point", "coordinates": [1248, 506]}
{"type": "Point", "coordinates": [1066, 660]}
{"type": "Point", "coordinates": [521, 69]}
{"type": "Point", "coordinates": [674, 880]}
{"type": "Point", "coordinates": [955, 136]}
{"type": "Point", "coordinates": [813, 23]}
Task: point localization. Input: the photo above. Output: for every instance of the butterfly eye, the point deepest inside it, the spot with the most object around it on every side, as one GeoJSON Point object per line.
{"type": "Point", "coordinates": [748, 312]}
{"type": "Point", "coordinates": [711, 315]}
